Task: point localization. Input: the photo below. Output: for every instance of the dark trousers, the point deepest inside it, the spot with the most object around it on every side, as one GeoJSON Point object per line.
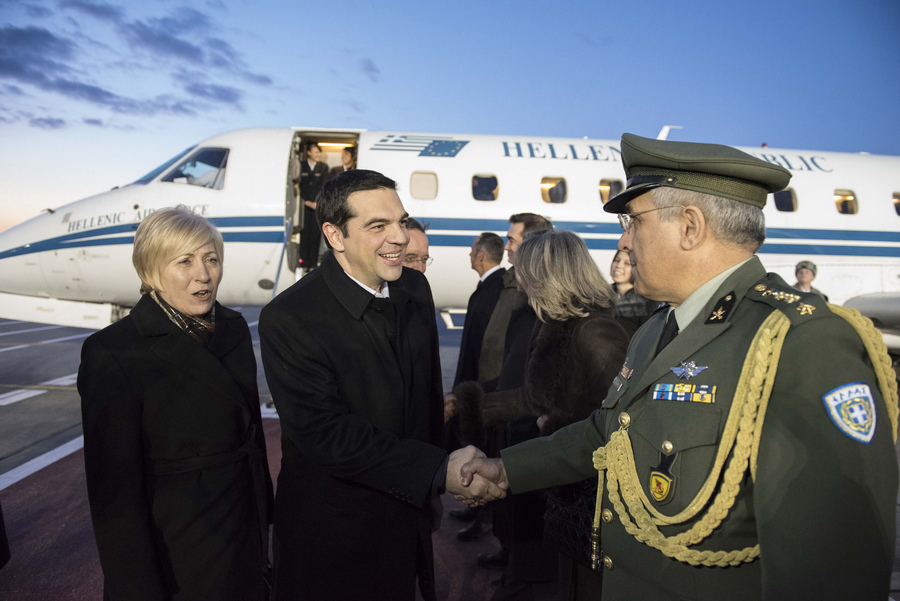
{"type": "Point", "coordinates": [310, 236]}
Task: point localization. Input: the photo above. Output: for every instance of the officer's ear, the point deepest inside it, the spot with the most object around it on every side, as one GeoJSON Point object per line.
{"type": "Point", "coordinates": [334, 236]}
{"type": "Point", "coordinates": [694, 228]}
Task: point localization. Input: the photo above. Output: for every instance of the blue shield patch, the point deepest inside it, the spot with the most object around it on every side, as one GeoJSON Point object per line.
{"type": "Point", "coordinates": [852, 409]}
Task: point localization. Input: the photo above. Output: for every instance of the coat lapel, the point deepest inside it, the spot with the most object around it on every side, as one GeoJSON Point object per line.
{"type": "Point", "coordinates": [185, 354]}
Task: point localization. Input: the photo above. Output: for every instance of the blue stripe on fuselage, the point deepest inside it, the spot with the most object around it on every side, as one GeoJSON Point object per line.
{"type": "Point", "coordinates": [458, 232]}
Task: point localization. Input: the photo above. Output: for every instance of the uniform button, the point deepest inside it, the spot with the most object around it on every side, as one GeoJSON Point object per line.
{"type": "Point", "coordinates": [607, 515]}
{"type": "Point", "coordinates": [667, 446]}
{"type": "Point", "coordinates": [624, 419]}
{"type": "Point", "coordinates": [607, 562]}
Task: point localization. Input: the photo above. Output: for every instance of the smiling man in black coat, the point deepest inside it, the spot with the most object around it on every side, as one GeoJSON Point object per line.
{"type": "Point", "coordinates": [351, 357]}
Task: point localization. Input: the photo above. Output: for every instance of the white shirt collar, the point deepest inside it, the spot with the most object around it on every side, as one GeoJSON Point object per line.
{"type": "Point", "coordinates": [490, 271]}
{"type": "Point", "coordinates": [383, 293]}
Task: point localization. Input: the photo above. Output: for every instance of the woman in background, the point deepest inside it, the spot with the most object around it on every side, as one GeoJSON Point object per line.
{"type": "Point", "coordinates": [632, 309]}
{"type": "Point", "coordinates": [577, 347]}
{"type": "Point", "coordinates": [174, 453]}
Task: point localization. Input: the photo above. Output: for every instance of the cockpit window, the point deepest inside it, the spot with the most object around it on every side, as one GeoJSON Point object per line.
{"type": "Point", "coordinates": [205, 168]}
{"type": "Point", "coordinates": [155, 173]}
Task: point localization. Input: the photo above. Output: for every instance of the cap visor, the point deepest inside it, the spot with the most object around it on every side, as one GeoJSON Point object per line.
{"type": "Point", "coordinates": [617, 203]}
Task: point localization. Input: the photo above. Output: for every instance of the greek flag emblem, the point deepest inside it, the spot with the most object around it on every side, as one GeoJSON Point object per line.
{"type": "Point", "coordinates": [852, 409]}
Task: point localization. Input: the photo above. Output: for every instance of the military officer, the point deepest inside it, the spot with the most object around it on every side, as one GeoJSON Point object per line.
{"type": "Point", "coordinates": [746, 449]}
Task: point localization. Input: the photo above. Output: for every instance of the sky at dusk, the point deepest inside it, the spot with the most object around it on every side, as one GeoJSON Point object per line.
{"type": "Point", "coordinates": [95, 94]}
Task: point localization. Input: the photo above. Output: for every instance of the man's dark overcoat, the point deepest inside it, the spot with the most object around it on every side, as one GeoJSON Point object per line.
{"type": "Point", "coordinates": [175, 458]}
{"type": "Point", "coordinates": [361, 416]}
{"type": "Point", "coordinates": [478, 314]}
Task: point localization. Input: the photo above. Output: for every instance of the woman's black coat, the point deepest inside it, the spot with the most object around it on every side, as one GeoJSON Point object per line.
{"type": "Point", "coordinates": [175, 458]}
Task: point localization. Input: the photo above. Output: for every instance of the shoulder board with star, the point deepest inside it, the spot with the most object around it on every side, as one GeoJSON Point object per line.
{"type": "Point", "coordinates": [798, 306]}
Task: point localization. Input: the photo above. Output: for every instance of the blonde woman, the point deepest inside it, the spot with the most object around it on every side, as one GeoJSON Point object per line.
{"type": "Point", "coordinates": [576, 349]}
{"type": "Point", "coordinates": [177, 478]}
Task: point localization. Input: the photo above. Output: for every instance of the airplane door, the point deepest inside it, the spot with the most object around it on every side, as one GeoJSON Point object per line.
{"type": "Point", "coordinates": [332, 144]}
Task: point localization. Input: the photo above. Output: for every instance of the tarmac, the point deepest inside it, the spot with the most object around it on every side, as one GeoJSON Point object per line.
{"type": "Point", "coordinates": [42, 487]}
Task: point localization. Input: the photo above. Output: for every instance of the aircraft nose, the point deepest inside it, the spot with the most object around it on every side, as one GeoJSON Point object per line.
{"type": "Point", "coordinates": [20, 268]}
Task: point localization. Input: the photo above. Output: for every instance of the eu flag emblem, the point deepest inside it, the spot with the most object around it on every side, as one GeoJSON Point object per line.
{"type": "Point", "coordinates": [443, 148]}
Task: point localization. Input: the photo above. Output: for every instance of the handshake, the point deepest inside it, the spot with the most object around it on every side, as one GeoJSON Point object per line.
{"type": "Point", "coordinates": [474, 479]}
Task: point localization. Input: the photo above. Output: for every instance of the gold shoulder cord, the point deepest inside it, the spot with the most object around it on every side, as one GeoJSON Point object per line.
{"type": "Point", "coordinates": [878, 355]}
{"type": "Point", "coordinates": [742, 433]}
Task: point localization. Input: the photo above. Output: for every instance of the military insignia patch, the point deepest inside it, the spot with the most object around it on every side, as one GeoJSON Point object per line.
{"type": "Point", "coordinates": [688, 370]}
{"type": "Point", "coordinates": [852, 409]}
{"type": "Point", "coordinates": [662, 482]}
{"type": "Point", "coordinates": [723, 307]}
{"type": "Point", "coordinates": [660, 486]}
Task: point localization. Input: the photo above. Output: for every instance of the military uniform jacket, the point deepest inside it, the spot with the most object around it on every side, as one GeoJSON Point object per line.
{"type": "Point", "coordinates": [822, 503]}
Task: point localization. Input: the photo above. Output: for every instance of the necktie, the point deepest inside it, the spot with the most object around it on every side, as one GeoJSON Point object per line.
{"type": "Point", "coordinates": [670, 331]}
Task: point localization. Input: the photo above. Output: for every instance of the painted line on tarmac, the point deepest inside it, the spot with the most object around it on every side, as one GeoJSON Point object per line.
{"type": "Point", "coordinates": [39, 463]}
{"type": "Point", "coordinates": [63, 381]}
{"type": "Point", "coordinates": [30, 330]}
{"type": "Point", "coordinates": [18, 395]}
{"type": "Point", "coordinates": [10, 323]}
{"type": "Point", "coordinates": [64, 338]}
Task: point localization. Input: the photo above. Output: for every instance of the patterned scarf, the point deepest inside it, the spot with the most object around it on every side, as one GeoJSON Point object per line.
{"type": "Point", "coordinates": [198, 328]}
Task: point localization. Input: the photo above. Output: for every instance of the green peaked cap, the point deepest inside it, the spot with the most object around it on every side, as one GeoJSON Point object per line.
{"type": "Point", "coordinates": [708, 168]}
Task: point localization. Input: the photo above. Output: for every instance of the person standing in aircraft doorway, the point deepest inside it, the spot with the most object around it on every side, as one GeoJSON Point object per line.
{"type": "Point", "coordinates": [313, 173]}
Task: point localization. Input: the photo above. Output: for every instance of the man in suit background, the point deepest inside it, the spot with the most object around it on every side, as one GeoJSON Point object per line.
{"type": "Point", "coordinates": [746, 448]}
{"type": "Point", "coordinates": [416, 255]}
{"type": "Point", "coordinates": [351, 358]}
{"type": "Point", "coordinates": [485, 257]}
{"type": "Point", "coordinates": [313, 173]}
{"type": "Point", "coordinates": [494, 343]}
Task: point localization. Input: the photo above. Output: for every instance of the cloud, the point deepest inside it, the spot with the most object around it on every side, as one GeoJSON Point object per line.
{"type": "Point", "coordinates": [33, 49]}
{"type": "Point", "coordinates": [369, 69]}
{"type": "Point", "coordinates": [47, 123]}
{"type": "Point", "coordinates": [160, 42]}
{"type": "Point", "coordinates": [101, 11]}
{"type": "Point", "coordinates": [37, 12]}
{"type": "Point", "coordinates": [50, 62]}
{"type": "Point", "coordinates": [223, 94]}
{"type": "Point", "coordinates": [93, 122]}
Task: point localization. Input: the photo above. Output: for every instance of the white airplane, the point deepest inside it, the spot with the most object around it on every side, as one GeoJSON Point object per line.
{"type": "Point", "coordinates": [72, 265]}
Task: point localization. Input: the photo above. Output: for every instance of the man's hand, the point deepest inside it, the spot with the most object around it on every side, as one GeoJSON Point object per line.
{"type": "Point", "coordinates": [449, 407]}
{"type": "Point", "coordinates": [472, 488]}
{"type": "Point", "coordinates": [480, 467]}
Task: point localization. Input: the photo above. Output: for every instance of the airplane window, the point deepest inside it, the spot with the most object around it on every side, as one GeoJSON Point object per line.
{"type": "Point", "coordinates": [897, 202]}
{"type": "Point", "coordinates": [485, 187]}
{"type": "Point", "coordinates": [786, 200]}
{"type": "Point", "coordinates": [423, 185]}
{"type": "Point", "coordinates": [609, 188]}
{"type": "Point", "coordinates": [553, 190]}
{"type": "Point", "coordinates": [153, 174]}
{"type": "Point", "coordinates": [205, 168]}
{"type": "Point", "coordinates": [845, 201]}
